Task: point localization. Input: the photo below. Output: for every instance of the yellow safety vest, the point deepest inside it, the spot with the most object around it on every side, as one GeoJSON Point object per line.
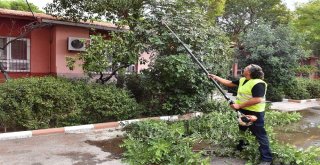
{"type": "Point", "coordinates": [245, 94]}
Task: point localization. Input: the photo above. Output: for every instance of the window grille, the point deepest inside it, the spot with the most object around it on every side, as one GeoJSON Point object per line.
{"type": "Point", "coordinates": [16, 55]}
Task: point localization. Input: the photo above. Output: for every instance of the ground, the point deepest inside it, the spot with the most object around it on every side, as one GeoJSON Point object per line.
{"type": "Point", "coordinates": [100, 146]}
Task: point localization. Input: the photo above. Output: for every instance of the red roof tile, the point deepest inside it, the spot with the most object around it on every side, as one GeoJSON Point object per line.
{"type": "Point", "coordinates": [40, 16]}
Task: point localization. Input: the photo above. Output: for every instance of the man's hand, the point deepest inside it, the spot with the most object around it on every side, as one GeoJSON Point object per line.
{"type": "Point", "coordinates": [235, 106]}
{"type": "Point", "coordinates": [212, 76]}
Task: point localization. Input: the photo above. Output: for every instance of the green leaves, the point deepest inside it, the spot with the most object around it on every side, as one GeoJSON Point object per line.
{"type": "Point", "coordinates": [38, 102]}
{"type": "Point", "coordinates": [33, 103]}
{"type": "Point", "coordinates": [307, 21]}
{"type": "Point", "coordinates": [277, 51]}
{"type": "Point", "coordinates": [240, 15]}
{"type": "Point", "coordinates": [19, 5]}
{"type": "Point", "coordinates": [158, 142]}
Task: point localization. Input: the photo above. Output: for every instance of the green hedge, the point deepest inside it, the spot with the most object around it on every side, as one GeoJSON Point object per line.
{"type": "Point", "coordinates": [302, 88]}
{"type": "Point", "coordinates": [108, 103]}
{"type": "Point", "coordinates": [37, 102]}
{"type": "Point", "coordinates": [33, 103]}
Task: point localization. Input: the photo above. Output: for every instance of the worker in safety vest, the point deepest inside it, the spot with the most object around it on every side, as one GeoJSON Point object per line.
{"type": "Point", "coordinates": [250, 101]}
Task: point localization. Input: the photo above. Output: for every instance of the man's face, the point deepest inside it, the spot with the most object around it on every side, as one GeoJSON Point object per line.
{"type": "Point", "coordinates": [246, 71]}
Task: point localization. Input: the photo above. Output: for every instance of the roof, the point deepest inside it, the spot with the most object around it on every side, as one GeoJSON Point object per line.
{"type": "Point", "coordinates": [54, 20]}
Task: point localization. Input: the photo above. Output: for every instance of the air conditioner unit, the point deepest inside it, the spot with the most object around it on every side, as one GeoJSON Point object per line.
{"type": "Point", "coordinates": [77, 44]}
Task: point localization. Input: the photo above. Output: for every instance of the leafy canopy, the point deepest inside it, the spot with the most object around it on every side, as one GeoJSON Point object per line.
{"type": "Point", "coordinates": [308, 22]}
{"type": "Point", "coordinates": [173, 83]}
{"type": "Point", "coordinates": [277, 50]}
{"type": "Point", "coordinates": [239, 15]}
{"type": "Point", "coordinates": [146, 33]}
{"type": "Point", "coordinates": [19, 5]}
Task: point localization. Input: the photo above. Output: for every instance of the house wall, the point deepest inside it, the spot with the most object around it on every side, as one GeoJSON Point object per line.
{"type": "Point", "coordinates": [40, 51]}
{"type": "Point", "coordinates": [12, 27]}
{"type": "Point", "coordinates": [140, 66]}
{"type": "Point", "coordinates": [60, 50]}
{"type": "Point", "coordinates": [49, 47]}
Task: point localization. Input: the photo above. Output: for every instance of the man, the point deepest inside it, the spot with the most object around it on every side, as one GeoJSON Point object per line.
{"type": "Point", "coordinates": [251, 101]}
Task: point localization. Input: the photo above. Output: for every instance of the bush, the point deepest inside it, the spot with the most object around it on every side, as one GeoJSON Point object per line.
{"type": "Point", "coordinates": [34, 103]}
{"type": "Point", "coordinates": [174, 86]}
{"type": "Point", "coordinates": [134, 84]}
{"type": "Point", "coordinates": [314, 88]}
{"type": "Point", "coordinates": [158, 142]}
{"type": "Point", "coordinates": [302, 88]}
{"type": "Point", "coordinates": [211, 106]}
{"type": "Point", "coordinates": [108, 103]}
{"type": "Point", "coordinates": [274, 93]}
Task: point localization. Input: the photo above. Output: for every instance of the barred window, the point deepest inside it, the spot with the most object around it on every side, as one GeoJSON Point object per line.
{"type": "Point", "coordinates": [16, 56]}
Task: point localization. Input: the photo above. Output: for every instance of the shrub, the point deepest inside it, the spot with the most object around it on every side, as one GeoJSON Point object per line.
{"type": "Point", "coordinates": [275, 93]}
{"type": "Point", "coordinates": [134, 84]}
{"type": "Point", "coordinates": [108, 103]}
{"type": "Point", "coordinates": [211, 106]}
{"type": "Point", "coordinates": [302, 88]}
{"type": "Point", "coordinates": [158, 142]}
{"type": "Point", "coordinates": [314, 88]}
{"type": "Point", "coordinates": [34, 103]}
{"type": "Point", "coordinates": [174, 86]}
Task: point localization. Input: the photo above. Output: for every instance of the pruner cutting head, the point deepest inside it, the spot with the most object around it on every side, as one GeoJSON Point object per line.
{"type": "Point", "coordinates": [246, 120]}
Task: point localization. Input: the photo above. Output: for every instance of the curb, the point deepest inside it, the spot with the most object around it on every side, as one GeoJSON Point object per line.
{"type": "Point", "coordinates": [90, 127]}
{"type": "Point", "coordinates": [301, 101]}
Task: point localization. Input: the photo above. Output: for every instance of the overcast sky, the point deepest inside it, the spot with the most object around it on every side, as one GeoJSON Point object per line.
{"type": "Point", "coordinates": [289, 3]}
{"type": "Point", "coordinates": [40, 3]}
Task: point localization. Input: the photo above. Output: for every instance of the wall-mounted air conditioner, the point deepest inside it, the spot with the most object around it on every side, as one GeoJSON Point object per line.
{"type": "Point", "coordinates": [77, 44]}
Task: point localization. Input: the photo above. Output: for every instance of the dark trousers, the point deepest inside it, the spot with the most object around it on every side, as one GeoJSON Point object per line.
{"type": "Point", "coordinates": [261, 135]}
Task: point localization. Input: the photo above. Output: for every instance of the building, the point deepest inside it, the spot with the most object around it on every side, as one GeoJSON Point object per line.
{"type": "Point", "coordinates": [39, 44]}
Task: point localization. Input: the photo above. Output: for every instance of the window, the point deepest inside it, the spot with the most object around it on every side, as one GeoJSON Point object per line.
{"type": "Point", "coordinates": [131, 69]}
{"type": "Point", "coordinates": [16, 56]}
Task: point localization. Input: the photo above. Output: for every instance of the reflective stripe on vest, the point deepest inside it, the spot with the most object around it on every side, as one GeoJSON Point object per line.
{"type": "Point", "coordinates": [245, 94]}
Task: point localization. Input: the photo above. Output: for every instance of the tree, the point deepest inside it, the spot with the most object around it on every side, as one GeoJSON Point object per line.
{"type": "Point", "coordinates": [19, 5]}
{"type": "Point", "coordinates": [240, 15]}
{"type": "Point", "coordinates": [174, 84]}
{"type": "Point", "coordinates": [143, 17]}
{"type": "Point", "coordinates": [307, 22]}
{"type": "Point", "coordinates": [112, 55]}
{"type": "Point", "coordinates": [277, 50]}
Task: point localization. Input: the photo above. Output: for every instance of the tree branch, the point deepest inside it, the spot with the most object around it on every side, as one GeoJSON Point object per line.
{"type": "Point", "coordinates": [114, 73]}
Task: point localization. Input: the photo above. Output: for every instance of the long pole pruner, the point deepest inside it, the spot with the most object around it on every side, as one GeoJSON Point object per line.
{"type": "Point", "coordinates": [198, 62]}
{"type": "Point", "coordinates": [244, 120]}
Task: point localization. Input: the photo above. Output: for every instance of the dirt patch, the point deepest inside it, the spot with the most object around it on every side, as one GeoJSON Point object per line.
{"type": "Point", "coordinates": [111, 145]}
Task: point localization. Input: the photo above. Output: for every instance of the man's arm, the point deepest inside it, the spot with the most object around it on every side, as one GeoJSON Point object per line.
{"type": "Point", "coordinates": [258, 92]}
{"type": "Point", "coordinates": [223, 81]}
{"type": "Point", "coordinates": [252, 101]}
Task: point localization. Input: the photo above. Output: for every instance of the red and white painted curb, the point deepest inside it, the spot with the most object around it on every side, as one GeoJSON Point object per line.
{"type": "Point", "coordinates": [90, 127]}
{"type": "Point", "coordinates": [301, 101]}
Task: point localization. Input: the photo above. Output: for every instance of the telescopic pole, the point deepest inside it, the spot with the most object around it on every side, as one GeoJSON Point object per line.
{"type": "Point", "coordinates": [198, 62]}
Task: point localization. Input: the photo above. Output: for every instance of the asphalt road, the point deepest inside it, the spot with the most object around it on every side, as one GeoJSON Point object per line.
{"type": "Point", "coordinates": [59, 149]}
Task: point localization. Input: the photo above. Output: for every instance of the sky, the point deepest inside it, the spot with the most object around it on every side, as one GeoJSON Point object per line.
{"type": "Point", "coordinates": [290, 3]}
{"type": "Point", "coordinates": [40, 3]}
